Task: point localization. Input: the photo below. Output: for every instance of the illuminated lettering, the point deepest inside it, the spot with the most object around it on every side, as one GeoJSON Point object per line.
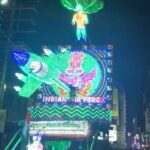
{"type": "Point", "coordinates": [100, 100]}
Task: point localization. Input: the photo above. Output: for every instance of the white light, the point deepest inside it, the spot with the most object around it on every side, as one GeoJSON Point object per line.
{"type": "Point", "coordinates": [47, 51]}
{"type": "Point", "coordinates": [5, 86]}
{"type": "Point", "coordinates": [113, 134]}
{"type": "Point", "coordinates": [19, 75]}
{"type": "Point", "coordinates": [4, 2]}
{"type": "Point", "coordinates": [65, 128]}
{"type": "Point", "coordinates": [63, 50]}
{"type": "Point", "coordinates": [100, 138]}
{"type": "Point", "coordinates": [129, 134]}
{"type": "Point", "coordinates": [17, 88]}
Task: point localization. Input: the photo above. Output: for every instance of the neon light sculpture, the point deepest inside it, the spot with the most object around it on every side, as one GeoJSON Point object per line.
{"type": "Point", "coordinates": [75, 112]}
{"type": "Point", "coordinates": [80, 18]}
{"type": "Point", "coordinates": [87, 69]}
{"type": "Point", "coordinates": [78, 70]}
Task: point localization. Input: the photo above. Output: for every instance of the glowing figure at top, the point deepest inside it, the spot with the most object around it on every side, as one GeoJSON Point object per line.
{"type": "Point", "coordinates": [80, 18]}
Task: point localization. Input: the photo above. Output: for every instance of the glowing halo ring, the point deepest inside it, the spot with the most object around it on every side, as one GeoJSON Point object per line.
{"type": "Point", "coordinates": [99, 56]}
{"type": "Point", "coordinates": [90, 6]}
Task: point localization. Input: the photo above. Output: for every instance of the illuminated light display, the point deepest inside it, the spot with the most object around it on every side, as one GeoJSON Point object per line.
{"type": "Point", "coordinates": [52, 112]}
{"type": "Point", "coordinates": [39, 70]}
{"type": "Point", "coordinates": [85, 67]}
{"type": "Point", "coordinates": [96, 100]}
{"type": "Point", "coordinates": [80, 18]}
{"type": "Point", "coordinates": [89, 6]}
{"type": "Point", "coordinates": [61, 145]}
{"type": "Point", "coordinates": [113, 134]}
{"type": "Point", "coordinates": [73, 85]}
{"type": "Point", "coordinates": [82, 72]}
{"type": "Point", "coordinates": [86, 74]}
{"type": "Point", "coordinates": [60, 128]}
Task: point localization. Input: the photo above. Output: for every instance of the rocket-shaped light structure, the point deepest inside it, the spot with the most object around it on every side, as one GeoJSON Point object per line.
{"type": "Point", "coordinates": [38, 70]}
{"type": "Point", "coordinates": [61, 71]}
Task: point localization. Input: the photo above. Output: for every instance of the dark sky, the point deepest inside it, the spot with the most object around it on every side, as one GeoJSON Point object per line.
{"type": "Point", "coordinates": [124, 23]}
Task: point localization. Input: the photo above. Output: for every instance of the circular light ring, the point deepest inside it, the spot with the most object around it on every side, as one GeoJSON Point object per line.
{"type": "Point", "coordinates": [88, 6]}
{"type": "Point", "coordinates": [100, 58]}
{"type": "Point", "coordinates": [87, 68]}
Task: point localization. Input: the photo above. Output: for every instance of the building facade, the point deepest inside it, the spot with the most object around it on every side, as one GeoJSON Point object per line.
{"type": "Point", "coordinates": [119, 117]}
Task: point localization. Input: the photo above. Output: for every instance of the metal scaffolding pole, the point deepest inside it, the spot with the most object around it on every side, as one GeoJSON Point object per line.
{"type": "Point", "coordinates": [14, 20]}
{"type": "Point", "coordinates": [8, 43]}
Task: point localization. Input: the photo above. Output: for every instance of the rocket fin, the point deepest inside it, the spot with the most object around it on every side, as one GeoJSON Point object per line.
{"type": "Point", "coordinates": [30, 86]}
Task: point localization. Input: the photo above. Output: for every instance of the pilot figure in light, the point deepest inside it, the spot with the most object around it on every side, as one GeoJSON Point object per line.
{"type": "Point", "coordinates": [80, 19]}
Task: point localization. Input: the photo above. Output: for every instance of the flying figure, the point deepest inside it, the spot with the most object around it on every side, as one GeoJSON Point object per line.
{"type": "Point", "coordinates": [80, 18]}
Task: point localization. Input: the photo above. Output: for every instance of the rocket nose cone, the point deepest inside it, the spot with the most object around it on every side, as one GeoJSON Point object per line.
{"type": "Point", "coordinates": [21, 57]}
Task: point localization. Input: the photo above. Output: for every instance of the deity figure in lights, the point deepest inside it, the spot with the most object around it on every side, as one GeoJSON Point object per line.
{"type": "Point", "coordinates": [81, 9]}
{"type": "Point", "coordinates": [36, 145]}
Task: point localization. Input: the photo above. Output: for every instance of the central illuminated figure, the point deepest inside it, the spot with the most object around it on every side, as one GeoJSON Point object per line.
{"type": "Point", "coordinates": [81, 9]}
{"type": "Point", "coordinates": [80, 19]}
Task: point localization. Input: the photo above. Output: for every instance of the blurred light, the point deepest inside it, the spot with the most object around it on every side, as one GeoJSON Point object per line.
{"type": "Point", "coordinates": [113, 134]}
{"type": "Point", "coordinates": [109, 70]}
{"type": "Point", "coordinates": [109, 54]}
{"type": "Point", "coordinates": [109, 79]}
{"type": "Point", "coordinates": [129, 134]}
{"type": "Point", "coordinates": [3, 2]}
{"type": "Point", "coordinates": [110, 46]}
{"type": "Point", "coordinates": [17, 88]}
{"type": "Point", "coordinates": [109, 88]}
{"type": "Point", "coordinates": [100, 138]}
{"type": "Point", "coordinates": [5, 86]}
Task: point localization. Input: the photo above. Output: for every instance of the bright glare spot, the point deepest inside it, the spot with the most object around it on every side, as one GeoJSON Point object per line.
{"type": "Point", "coordinates": [17, 88]}
{"type": "Point", "coordinates": [5, 86]}
{"type": "Point", "coordinates": [3, 2]}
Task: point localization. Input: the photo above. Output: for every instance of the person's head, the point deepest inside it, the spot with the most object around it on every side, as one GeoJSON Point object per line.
{"type": "Point", "coordinates": [79, 8]}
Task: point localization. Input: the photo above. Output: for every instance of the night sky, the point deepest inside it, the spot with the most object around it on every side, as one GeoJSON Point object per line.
{"type": "Point", "coordinates": [124, 23]}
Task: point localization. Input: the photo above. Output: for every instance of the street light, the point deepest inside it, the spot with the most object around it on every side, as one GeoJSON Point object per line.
{"type": "Point", "coordinates": [4, 2]}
